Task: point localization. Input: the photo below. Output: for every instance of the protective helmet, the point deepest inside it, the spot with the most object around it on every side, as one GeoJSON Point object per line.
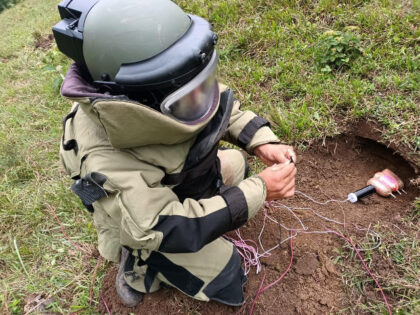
{"type": "Point", "coordinates": [149, 49]}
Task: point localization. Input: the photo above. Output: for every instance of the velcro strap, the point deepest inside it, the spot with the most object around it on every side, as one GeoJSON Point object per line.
{"type": "Point", "coordinates": [250, 129]}
{"type": "Point", "coordinates": [202, 167]}
{"type": "Point", "coordinates": [90, 188]}
{"type": "Point", "coordinates": [72, 143]}
{"type": "Point", "coordinates": [236, 202]}
{"type": "Point", "coordinates": [149, 278]}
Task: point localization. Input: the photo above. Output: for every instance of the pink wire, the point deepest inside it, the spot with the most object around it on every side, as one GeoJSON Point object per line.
{"type": "Point", "coordinates": [92, 283]}
{"type": "Point", "coordinates": [106, 306]}
{"type": "Point", "coordinates": [286, 271]}
{"type": "Point", "coordinates": [75, 245]}
{"type": "Point", "coordinates": [366, 267]}
{"type": "Point", "coordinates": [256, 295]}
{"type": "Point", "coordinates": [249, 253]}
{"type": "Point", "coordinates": [275, 282]}
{"type": "Point", "coordinates": [250, 250]}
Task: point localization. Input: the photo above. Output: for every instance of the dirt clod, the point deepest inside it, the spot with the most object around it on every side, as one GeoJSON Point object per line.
{"type": "Point", "coordinates": [307, 264]}
{"type": "Point", "coordinates": [329, 265]}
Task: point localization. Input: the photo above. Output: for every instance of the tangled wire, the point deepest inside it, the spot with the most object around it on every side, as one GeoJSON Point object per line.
{"type": "Point", "coordinates": [252, 252]}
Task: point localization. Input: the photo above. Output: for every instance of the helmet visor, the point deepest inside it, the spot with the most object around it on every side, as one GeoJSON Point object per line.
{"type": "Point", "coordinates": [196, 100]}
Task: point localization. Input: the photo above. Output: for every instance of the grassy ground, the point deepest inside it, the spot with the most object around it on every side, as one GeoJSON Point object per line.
{"type": "Point", "coordinates": [282, 59]}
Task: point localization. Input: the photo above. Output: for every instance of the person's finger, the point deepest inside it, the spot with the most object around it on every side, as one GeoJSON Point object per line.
{"type": "Point", "coordinates": [281, 156]}
{"type": "Point", "coordinates": [288, 186]}
{"type": "Point", "coordinates": [280, 180]}
{"type": "Point", "coordinates": [282, 185]}
{"type": "Point", "coordinates": [286, 182]}
{"type": "Point", "coordinates": [280, 167]}
{"type": "Point", "coordinates": [284, 170]}
{"type": "Point", "coordinates": [268, 162]}
{"type": "Point", "coordinates": [290, 193]}
{"type": "Point", "coordinates": [285, 192]}
{"type": "Point", "coordinates": [289, 178]}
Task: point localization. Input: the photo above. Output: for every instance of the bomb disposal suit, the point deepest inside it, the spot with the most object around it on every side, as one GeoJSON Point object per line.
{"type": "Point", "coordinates": [141, 143]}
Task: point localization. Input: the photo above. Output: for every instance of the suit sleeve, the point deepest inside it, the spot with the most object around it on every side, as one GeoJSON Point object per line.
{"type": "Point", "coordinates": [247, 130]}
{"type": "Point", "coordinates": [151, 215]}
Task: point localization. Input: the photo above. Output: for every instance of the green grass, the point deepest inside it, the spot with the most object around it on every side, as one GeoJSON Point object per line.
{"type": "Point", "coordinates": [268, 52]}
{"type": "Point", "coordinates": [396, 264]}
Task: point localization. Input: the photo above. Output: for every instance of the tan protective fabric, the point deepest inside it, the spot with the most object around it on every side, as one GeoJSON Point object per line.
{"type": "Point", "coordinates": [136, 197]}
{"type": "Point", "coordinates": [142, 125]}
{"type": "Point", "coordinates": [232, 166]}
{"type": "Point", "coordinates": [205, 264]}
{"type": "Point", "coordinates": [208, 262]}
{"type": "Point", "coordinates": [238, 121]}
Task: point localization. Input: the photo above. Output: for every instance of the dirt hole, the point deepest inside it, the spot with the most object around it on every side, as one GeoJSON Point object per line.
{"type": "Point", "coordinates": [42, 42]}
{"type": "Point", "coordinates": [329, 169]}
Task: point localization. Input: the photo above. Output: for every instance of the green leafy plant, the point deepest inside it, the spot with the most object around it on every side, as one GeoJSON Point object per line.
{"type": "Point", "coordinates": [336, 50]}
{"type": "Point", "coordinates": [53, 64]}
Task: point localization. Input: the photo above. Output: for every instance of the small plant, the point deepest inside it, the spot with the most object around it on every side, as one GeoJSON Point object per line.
{"type": "Point", "coordinates": [337, 49]}
{"type": "Point", "coordinates": [52, 63]}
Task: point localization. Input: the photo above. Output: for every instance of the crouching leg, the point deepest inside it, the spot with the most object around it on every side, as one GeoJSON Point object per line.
{"type": "Point", "coordinates": [213, 273]}
{"type": "Point", "coordinates": [233, 166]}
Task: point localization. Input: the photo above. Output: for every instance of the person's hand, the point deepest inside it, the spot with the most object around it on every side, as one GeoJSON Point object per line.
{"type": "Point", "coordinates": [271, 154]}
{"type": "Point", "coordinates": [279, 180]}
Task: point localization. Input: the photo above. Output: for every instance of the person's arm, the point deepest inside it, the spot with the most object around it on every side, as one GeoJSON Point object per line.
{"type": "Point", "coordinates": [253, 134]}
{"type": "Point", "coordinates": [247, 130]}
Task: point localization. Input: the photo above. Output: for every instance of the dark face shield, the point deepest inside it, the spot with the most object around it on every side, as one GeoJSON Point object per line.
{"type": "Point", "coordinates": [197, 99]}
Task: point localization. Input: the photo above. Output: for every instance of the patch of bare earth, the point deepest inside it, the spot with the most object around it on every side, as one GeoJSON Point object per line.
{"type": "Point", "coordinates": [329, 169]}
{"type": "Point", "coordinates": [43, 42]}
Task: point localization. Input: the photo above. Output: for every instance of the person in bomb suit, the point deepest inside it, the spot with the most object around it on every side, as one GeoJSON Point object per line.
{"type": "Point", "coordinates": [141, 143]}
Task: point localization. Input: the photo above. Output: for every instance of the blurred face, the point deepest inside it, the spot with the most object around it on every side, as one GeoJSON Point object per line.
{"type": "Point", "coordinates": [193, 102]}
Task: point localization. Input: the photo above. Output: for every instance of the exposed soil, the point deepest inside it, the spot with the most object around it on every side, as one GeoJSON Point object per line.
{"type": "Point", "coordinates": [373, 131]}
{"type": "Point", "coordinates": [329, 169]}
{"type": "Point", "coordinates": [43, 42]}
